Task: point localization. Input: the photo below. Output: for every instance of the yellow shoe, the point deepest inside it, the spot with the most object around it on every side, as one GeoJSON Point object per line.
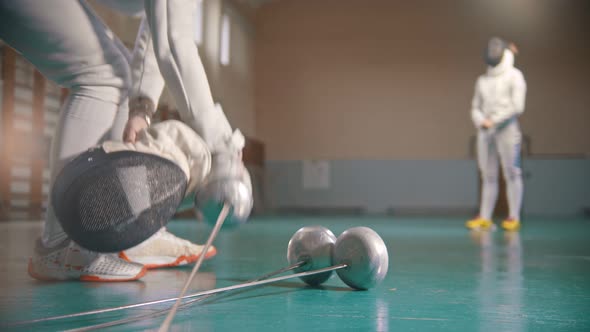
{"type": "Point", "coordinates": [511, 224]}
{"type": "Point", "coordinates": [480, 223]}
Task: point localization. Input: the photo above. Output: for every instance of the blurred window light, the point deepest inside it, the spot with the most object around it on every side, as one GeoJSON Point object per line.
{"type": "Point", "coordinates": [224, 53]}
{"type": "Point", "coordinates": [198, 23]}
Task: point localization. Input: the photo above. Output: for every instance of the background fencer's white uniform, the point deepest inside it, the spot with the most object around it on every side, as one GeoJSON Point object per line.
{"type": "Point", "coordinates": [500, 97]}
{"type": "Point", "coordinates": [70, 45]}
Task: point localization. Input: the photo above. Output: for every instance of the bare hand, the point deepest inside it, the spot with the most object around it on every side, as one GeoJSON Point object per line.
{"type": "Point", "coordinates": [487, 124]}
{"type": "Point", "coordinates": [135, 124]}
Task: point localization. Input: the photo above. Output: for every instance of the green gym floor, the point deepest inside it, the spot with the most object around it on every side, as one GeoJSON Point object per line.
{"type": "Point", "coordinates": [441, 278]}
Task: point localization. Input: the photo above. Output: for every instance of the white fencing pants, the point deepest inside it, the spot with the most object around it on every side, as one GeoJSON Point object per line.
{"type": "Point", "coordinates": [69, 44]}
{"type": "Point", "coordinates": [500, 146]}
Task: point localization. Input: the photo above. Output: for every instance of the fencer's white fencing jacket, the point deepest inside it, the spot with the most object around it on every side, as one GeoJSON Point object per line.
{"type": "Point", "coordinates": [499, 93]}
{"type": "Point", "coordinates": [176, 142]}
{"type": "Point", "coordinates": [147, 81]}
{"type": "Point", "coordinates": [173, 56]}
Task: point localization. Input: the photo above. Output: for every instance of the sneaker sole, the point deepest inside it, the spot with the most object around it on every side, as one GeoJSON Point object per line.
{"type": "Point", "coordinates": [93, 278]}
{"type": "Point", "coordinates": [182, 260]}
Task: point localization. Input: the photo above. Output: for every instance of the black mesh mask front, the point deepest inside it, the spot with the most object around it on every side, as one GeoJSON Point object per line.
{"type": "Point", "coordinates": [108, 202]}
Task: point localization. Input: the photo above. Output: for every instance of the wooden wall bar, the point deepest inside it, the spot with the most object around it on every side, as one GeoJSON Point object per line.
{"type": "Point", "coordinates": [30, 107]}
{"type": "Point", "coordinates": [8, 86]}
{"type": "Point", "coordinates": [38, 163]}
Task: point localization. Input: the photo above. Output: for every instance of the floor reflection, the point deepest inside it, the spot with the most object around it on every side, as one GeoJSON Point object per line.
{"type": "Point", "coordinates": [382, 321]}
{"type": "Point", "coordinates": [500, 285]}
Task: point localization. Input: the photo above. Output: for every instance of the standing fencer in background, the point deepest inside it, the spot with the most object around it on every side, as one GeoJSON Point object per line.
{"type": "Point", "coordinates": [67, 42]}
{"type": "Point", "coordinates": [498, 102]}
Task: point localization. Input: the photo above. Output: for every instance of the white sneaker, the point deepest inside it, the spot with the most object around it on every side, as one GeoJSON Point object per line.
{"type": "Point", "coordinates": [70, 261]}
{"type": "Point", "coordinates": [164, 249]}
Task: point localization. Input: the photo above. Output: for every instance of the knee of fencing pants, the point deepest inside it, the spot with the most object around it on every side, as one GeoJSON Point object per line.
{"type": "Point", "coordinates": [512, 172]}
{"type": "Point", "coordinates": [489, 176]}
{"type": "Point", "coordinates": [108, 81]}
{"type": "Point", "coordinates": [69, 44]}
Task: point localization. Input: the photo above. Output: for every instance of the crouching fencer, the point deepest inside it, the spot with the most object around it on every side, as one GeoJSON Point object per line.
{"type": "Point", "coordinates": [498, 102]}
{"type": "Point", "coordinates": [112, 94]}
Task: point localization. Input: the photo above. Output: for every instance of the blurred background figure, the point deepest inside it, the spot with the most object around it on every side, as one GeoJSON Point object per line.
{"type": "Point", "coordinates": [498, 102]}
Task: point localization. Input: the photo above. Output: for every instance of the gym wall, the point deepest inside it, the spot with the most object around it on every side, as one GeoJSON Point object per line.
{"type": "Point", "coordinates": [382, 91]}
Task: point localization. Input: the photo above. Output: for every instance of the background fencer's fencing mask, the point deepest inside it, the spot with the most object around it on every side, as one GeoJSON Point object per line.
{"type": "Point", "coordinates": [108, 202]}
{"type": "Point", "coordinates": [495, 51]}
